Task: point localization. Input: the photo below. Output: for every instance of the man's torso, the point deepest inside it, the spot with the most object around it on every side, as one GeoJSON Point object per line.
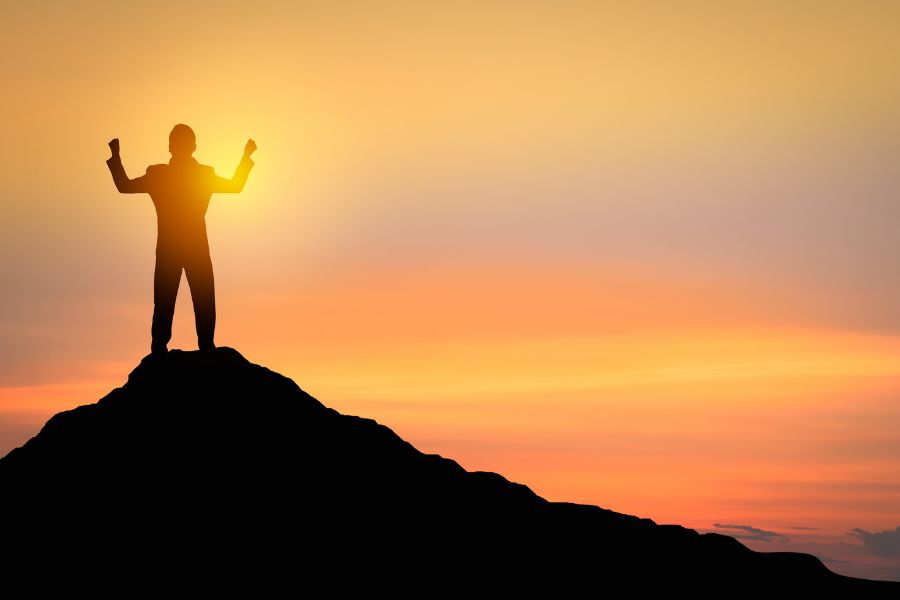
{"type": "Point", "coordinates": [181, 194]}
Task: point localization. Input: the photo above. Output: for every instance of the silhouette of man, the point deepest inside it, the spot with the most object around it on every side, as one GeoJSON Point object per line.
{"type": "Point", "coordinates": [181, 191]}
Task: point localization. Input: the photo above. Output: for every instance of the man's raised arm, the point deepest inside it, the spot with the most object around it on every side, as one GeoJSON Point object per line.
{"type": "Point", "coordinates": [123, 184]}
{"type": "Point", "coordinates": [236, 183]}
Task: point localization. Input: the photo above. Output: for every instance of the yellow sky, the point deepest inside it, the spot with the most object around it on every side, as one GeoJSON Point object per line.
{"type": "Point", "coordinates": [637, 254]}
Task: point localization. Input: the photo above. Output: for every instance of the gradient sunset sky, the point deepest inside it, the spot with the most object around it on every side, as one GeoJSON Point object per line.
{"type": "Point", "coordinates": [644, 255]}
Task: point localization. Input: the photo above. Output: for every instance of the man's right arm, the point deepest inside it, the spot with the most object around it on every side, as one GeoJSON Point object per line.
{"type": "Point", "coordinates": [236, 184]}
{"type": "Point", "coordinates": [123, 184]}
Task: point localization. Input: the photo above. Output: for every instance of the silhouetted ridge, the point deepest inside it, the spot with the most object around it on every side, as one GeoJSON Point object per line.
{"type": "Point", "coordinates": [208, 455]}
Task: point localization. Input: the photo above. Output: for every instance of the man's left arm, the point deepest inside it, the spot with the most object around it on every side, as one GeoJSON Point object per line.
{"type": "Point", "coordinates": [236, 183]}
{"type": "Point", "coordinates": [125, 185]}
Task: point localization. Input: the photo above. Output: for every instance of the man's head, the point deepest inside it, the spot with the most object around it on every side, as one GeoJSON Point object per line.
{"type": "Point", "coordinates": [182, 142]}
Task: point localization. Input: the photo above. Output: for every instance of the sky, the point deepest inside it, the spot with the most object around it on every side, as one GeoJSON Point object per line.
{"type": "Point", "coordinates": [642, 255]}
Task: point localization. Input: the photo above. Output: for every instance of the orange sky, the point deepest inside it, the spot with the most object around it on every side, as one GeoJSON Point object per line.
{"type": "Point", "coordinates": [643, 256]}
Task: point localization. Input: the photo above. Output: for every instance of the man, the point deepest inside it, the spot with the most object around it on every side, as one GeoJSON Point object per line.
{"type": "Point", "coordinates": [180, 192]}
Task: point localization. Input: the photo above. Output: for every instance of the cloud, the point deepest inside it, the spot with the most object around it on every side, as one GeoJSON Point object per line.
{"type": "Point", "coordinates": [883, 543]}
{"type": "Point", "coordinates": [748, 532]}
{"type": "Point", "coordinates": [799, 528]}
{"type": "Point", "coordinates": [835, 561]}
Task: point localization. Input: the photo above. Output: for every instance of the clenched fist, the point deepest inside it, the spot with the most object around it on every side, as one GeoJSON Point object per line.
{"type": "Point", "coordinates": [114, 146]}
{"type": "Point", "coordinates": [249, 149]}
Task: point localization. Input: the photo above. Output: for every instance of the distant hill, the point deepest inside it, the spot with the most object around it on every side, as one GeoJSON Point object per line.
{"type": "Point", "coordinates": [204, 464]}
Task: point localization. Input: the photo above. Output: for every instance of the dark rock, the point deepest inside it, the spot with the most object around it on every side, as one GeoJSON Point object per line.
{"type": "Point", "coordinates": [205, 465]}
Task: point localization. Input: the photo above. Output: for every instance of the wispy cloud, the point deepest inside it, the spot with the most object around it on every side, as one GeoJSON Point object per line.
{"type": "Point", "coordinates": [882, 543]}
{"type": "Point", "coordinates": [835, 561]}
{"type": "Point", "coordinates": [748, 532]}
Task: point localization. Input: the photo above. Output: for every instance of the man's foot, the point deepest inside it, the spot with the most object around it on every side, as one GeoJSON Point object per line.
{"type": "Point", "coordinates": [158, 349]}
{"type": "Point", "coordinates": [207, 347]}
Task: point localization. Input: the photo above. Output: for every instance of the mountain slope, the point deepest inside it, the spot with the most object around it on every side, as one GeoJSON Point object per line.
{"type": "Point", "coordinates": [210, 456]}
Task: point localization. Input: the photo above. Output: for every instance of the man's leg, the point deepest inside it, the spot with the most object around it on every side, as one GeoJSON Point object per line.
{"type": "Point", "coordinates": [200, 277]}
{"type": "Point", "coordinates": [166, 278]}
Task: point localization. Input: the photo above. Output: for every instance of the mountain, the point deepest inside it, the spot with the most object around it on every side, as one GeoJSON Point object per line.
{"type": "Point", "coordinates": [204, 465]}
